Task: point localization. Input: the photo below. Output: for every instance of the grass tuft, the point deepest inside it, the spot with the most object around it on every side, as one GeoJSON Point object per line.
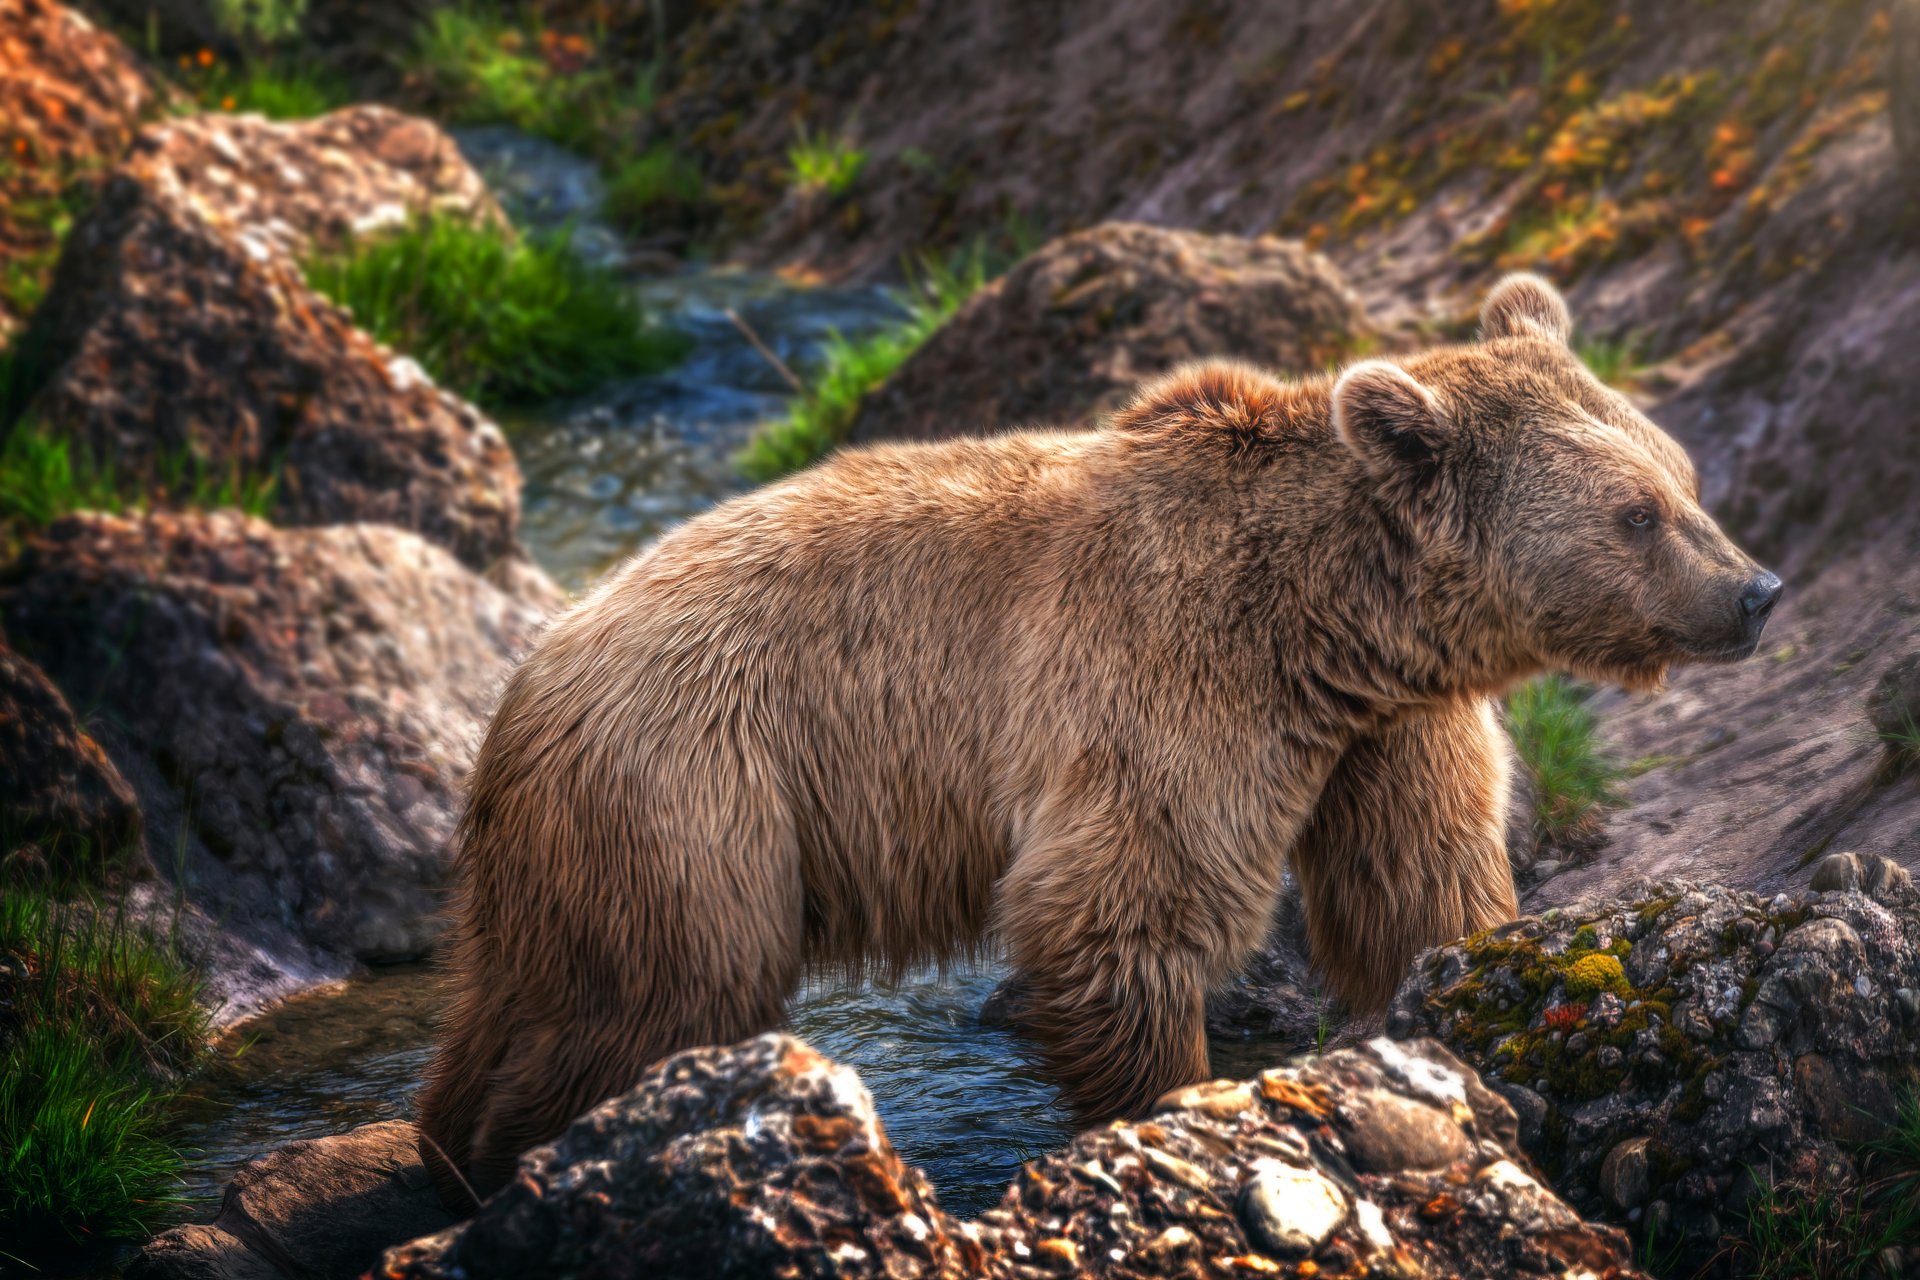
{"type": "Point", "coordinates": [498, 319]}
{"type": "Point", "coordinates": [1796, 1231]}
{"type": "Point", "coordinates": [658, 183]}
{"type": "Point", "coordinates": [1614, 361]}
{"type": "Point", "coordinates": [823, 165]}
{"type": "Point", "coordinates": [1903, 740]}
{"type": "Point", "coordinates": [275, 89]}
{"type": "Point", "coordinates": [103, 1023]}
{"type": "Point", "coordinates": [819, 419]}
{"type": "Point", "coordinates": [481, 68]}
{"type": "Point", "coordinates": [45, 475]}
{"type": "Point", "coordinates": [1557, 739]}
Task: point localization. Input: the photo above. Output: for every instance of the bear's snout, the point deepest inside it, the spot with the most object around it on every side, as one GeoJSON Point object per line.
{"type": "Point", "coordinates": [1757, 601]}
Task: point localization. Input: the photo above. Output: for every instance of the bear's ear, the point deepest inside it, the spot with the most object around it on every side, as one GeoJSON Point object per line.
{"type": "Point", "coordinates": [1395, 424]}
{"type": "Point", "coordinates": [1525, 306]}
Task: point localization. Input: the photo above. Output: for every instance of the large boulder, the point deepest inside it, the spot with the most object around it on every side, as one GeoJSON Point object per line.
{"type": "Point", "coordinates": [64, 808]}
{"type": "Point", "coordinates": [757, 1160]}
{"type": "Point", "coordinates": [1671, 1050]}
{"type": "Point", "coordinates": [1072, 329]}
{"type": "Point", "coordinates": [71, 96]}
{"type": "Point", "coordinates": [295, 708]}
{"type": "Point", "coordinates": [180, 343]}
{"type": "Point", "coordinates": [766, 1159]}
{"type": "Point", "coordinates": [321, 1209]}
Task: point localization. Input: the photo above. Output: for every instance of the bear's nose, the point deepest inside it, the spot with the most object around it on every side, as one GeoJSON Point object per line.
{"type": "Point", "coordinates": [1757, 601]}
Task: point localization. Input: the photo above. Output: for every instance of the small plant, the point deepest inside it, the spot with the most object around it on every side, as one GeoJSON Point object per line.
{"type": "Point", "coordinates": [819, 418]}
{"type": "Point", "coordinates": [1612, 360]}
{"type": "Point", "coordinates": [104, 1025]}
{"type": "Point", "coordinates": [276, 89]}
{"type": "Point", "coordinates": [1903, 738]}
{"type": "Point", "coordinates": [820, 165]}
{"type": "Point", "coordinates": [40, 208]}
{"type": "Point", "coordinates": [45, 475]}
{"type": "Point", "coordinates": [658, 183]}
{"type": "Point", "coordinates": [480, 68]}
{"type": "Point", "coordinates": [260, 22]}
{"type": "Point", "coordinates": [1557, 739]}
{"type": "Point", "coordinates": [497, 318]}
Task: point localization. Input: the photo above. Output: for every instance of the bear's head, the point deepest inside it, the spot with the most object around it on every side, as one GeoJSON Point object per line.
{"type": "Point", "coordinates": [1570, 525]}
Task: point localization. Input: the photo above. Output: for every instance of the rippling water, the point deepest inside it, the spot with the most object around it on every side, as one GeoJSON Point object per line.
{"type": "Point", "coordinates": [959, 1099]}
{"type": "Point", "coordinates": [610, 472]}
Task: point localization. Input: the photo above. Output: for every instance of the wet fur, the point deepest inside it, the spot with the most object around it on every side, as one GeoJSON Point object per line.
{"type": "Point", "coordinates": [1082, 694]}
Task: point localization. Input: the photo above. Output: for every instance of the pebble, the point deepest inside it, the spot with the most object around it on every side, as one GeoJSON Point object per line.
{"type": "Point", "coordinates": [1289, 1212]}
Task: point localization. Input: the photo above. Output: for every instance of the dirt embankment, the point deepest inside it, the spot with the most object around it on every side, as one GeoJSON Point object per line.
{"type": "Point", "coordinates": [1718, 187]}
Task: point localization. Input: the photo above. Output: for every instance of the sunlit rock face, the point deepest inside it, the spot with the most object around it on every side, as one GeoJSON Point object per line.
{"type": "Point", "coordinates": [180, 342]}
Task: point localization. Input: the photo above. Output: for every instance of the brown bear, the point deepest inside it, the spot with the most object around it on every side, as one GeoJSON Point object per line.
{"type": "Point", "coordinates": [1084, 694]}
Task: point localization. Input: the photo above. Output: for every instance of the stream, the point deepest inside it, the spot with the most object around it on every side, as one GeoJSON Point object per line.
{"type": "Point", "coordinates": [606, 474]}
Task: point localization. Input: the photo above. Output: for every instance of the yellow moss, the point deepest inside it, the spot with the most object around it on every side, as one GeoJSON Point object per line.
{"type": "Point", "coordinates": [1590, 975]}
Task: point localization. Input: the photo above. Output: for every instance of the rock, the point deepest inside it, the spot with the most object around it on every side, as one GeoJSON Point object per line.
{"type": "Point", "coordinates": [306, 184]}
{"type": "Point", "coordinates": [764, 1159]}
{"type": "Point", "coordinates": [1070, 332]}
{"type": "Point", "coordinates": [71, 96]}
{"type": "Point", "coordinates": [756, 1160]}
{"type": "Point", "coordinates": [322, 1209]}
{"type": "Point", "coordinates": [1277, 996]}
{"type": "Point", "coordinates": [1881, 879]}
{"type": "Point", "coordinates": [1748, 1026]}
{"type": "Point", "coordinates": [1624, 1175]}
{"type": "Point", "coordinates": [62, 803]}
{"type": "Point", "coordinates": [294, 708]}
{"type": "Point", "coordinates": [1388, 1133]}
{"type": "Point", "coordinates": [1290, 1213]}
{"type": "Point", "coordinates": [180, 341]}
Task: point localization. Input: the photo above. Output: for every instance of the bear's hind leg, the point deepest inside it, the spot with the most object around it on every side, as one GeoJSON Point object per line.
{"type": "Point", "coordinates": [1406, 848]}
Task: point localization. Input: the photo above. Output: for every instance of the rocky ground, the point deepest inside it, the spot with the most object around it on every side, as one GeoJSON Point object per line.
{"type": "Point", "coordinates": [279, 710]}
{"type": "Point", "coordinates": [1674, 1051]}
{"type": "Point", "coordinates": [273, 712]}
{"type": "Point", "coordinates": [767, 1159]}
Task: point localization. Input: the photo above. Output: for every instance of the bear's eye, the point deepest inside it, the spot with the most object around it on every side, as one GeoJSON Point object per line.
{"type": "Point", "coordinates": [1639, 517]}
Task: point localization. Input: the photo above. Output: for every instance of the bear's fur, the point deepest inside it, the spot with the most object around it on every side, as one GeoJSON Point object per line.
{"type": "Point", "coordinates": [1083, 693]}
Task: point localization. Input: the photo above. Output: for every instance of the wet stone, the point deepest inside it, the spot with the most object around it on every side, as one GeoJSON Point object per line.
{"type": "Point", "coordinates": [1290, 1213]}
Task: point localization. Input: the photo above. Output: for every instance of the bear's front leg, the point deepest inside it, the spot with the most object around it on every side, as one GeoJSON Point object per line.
{"type": "Point", "coordinates": [1115, 943]}
{"type": "Point", "coordinates": [1406, 848]}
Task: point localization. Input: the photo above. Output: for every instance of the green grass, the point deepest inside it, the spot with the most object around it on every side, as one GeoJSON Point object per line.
{"type": "Point", "coordinates": [818, 419]}
{"type": "Point", "coordinates": [477, 66]}
{"type": "Point", "coordinates": [1796, 1231]}
{"type": "Point", "coordinates": [103, 1024]}
{"type": "Point", "coordinates": [276, 89]}
{"type": "Point", "coordinates": [658, 183]}
{"type": "Point", "coordinates": [1903, 740]}
{"type": "Point", "coordinates": [1556, 737]}
{"type": "Point", "coordinates": [822, 165]}
{"type": "Point", "coordinates": [53, 209]}
{"type": "Point", "coordinates": [45, 475]}
{"type": "Point", "coordinates": [1613, 360]}
{"type": "Point", "coordinates": [498, 319]}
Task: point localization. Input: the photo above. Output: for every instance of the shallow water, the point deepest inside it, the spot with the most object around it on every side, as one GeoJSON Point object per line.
{"type": "Point", "coordinates": [612, 471]}
{"type": "Point", "coordinates": [961, 1100]}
